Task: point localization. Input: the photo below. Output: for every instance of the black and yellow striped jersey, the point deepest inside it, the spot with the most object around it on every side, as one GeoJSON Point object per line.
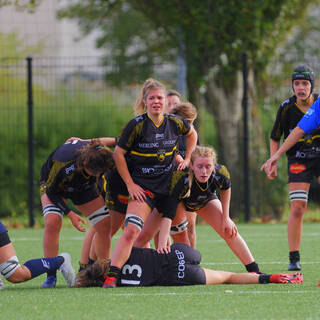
{"type": "Point", "coordinates": [60, 177]}
{"type": "Point", "coordinates": [151, 150]}
{"type": "Point", "coordinates": [288, 116]}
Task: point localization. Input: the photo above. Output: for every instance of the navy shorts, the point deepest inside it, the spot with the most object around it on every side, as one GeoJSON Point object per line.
{"type": "Point", "coordinates": [4, 237]}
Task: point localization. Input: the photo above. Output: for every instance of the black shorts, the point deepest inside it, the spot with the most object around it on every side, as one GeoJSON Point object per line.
{"type": "Point", "coordinates": [4, 237]}
{"type": "Point", "coordinates": [165, 204]}
{"type": "Point", "coordinates": [199, 205]}
{"type": "Point", "coordinates": [303, 170]}
{"type": "Point", "coordinates": [79, 198]}
{"type": "Point", "coordinates": [184, 266]}
{"type": "Point", "coordinates": [117, 195]}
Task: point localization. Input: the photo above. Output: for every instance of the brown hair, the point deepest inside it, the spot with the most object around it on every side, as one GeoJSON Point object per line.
{"type": "Point", "coordinates": [150, 84]}
{"type": "Point", "coordinates": [93, 275]}
{"type": "Point", "coordinates": [204, 152]}
{"type": "Point", "coordinates": [95, 156]}
{"type": "Point", "coordinates": [186, 110]}
{"type": "Point", "coordinates": [171, 93]}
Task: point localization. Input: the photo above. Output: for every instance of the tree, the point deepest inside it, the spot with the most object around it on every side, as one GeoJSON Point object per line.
{"type": "Point", "coordinates": [211, 35]}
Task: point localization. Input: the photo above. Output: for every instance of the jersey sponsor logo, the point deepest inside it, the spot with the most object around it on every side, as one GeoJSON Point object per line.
{"type": "Point", "coordinates": [181, 264]}
{"type": "Point", "coordinates": [70, 169]}
{"type": "Point", "coordinates": [148, 145]}
{"type": "Point", "coordinates": [159, 136]}
{"type": "Point", "coordinates": [297, 168]}
{"type": "Point", "coordinates": [169, 142]}
{"type": "Point", "coordinates": [156, 170]}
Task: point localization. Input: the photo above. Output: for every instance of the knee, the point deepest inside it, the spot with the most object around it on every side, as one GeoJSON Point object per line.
{"type": "Point", "coordinates": [130, 234]}
{"type": "Point", "coordinates": [298, 208]}
{"type": "Point", "coordinates": [53, 225]}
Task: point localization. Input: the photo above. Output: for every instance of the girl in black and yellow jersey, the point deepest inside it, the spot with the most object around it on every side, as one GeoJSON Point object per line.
{"type": "Point", "coordinates": [205, 178]}
{"type": "Point", "coordinates": [150, 140]}
{"type": "Point", "coordinates": [71, 172]}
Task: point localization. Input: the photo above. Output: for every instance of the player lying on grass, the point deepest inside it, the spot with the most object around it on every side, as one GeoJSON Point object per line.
{"type": "Point", "coordinates": [147, 267]}
{"type": "Point", "coordinates": [14, 272]}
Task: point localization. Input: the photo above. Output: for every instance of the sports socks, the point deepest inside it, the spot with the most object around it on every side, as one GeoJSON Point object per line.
{"type": "Point", "coordinates": [40, 266]}
{"type": "Point", "coordinates": [264, 278]}
{"type": "Point", "coordinates": [294, 256]}
{"type": "Point", "coordinates": [114, 272]}
{"type": "Point", "coordinates": [253, 267]}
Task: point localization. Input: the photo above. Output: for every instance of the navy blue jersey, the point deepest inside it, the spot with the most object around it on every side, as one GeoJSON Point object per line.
{"type": "Point", "coordinates": [202, 193]}
{"type": "Point", "coordinates": [288, 116]}
{"type": "Point", "coordinates": [60, 178]}
{"type": "Point", "coordinates": [147, 267]}
{"type": "Point", "coordinates": [152, 150]}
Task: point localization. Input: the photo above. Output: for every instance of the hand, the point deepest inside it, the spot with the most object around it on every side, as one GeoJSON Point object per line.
{"type": "Point", "coordinates": [73, 139]}
{"type": "Point", "coordinates": [164, 248]}
{"type": "Point", "coordinates": [270, 167]}
{"type": "Point", "coordinates": [184, 164]}
{"type": "Point", "coordinates": [179, 159]}
{"type": "Point", "coordinates": [76, 220]}
{"type": "Point", "coordinates": [136, 192]}
{"type": "Point", "coordinates": [229, 228]}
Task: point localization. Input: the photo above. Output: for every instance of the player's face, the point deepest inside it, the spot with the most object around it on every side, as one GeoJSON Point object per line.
{"type": "Point", "coordinates": [172, 102]}
{"type": "Point", "coordinates": [302, 89]}
{"type": "Point", "coordinates": [202, 168]}
{"type": "Point", "coordinates": [155, 102]}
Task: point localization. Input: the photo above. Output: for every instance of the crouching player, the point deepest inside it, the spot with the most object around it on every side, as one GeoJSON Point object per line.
{"type": "Point", "coordinates": [14, 272]}
{"type": "Point", "coordinates": [147, 267]}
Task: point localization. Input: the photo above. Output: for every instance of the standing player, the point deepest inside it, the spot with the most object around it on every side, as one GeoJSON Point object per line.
{"type": "Point", "coordinates": [303, 157]}
{"type": "Point", "coordinates": [14, 272]}
{"type": "Point", "coordinates": [146, 267]}
{"type": "Point", "coordinates": [150, 140]}
{"type": "Point", "coordinates": [71, 172]}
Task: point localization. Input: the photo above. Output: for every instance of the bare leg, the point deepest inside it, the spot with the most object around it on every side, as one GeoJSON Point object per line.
{"type": "Point", "coordinates": [297, 210]}
{"type": "Point", "coordinates": [86, 245]}
{"type": "Point", "coordinates": [212, 214]}
{"type": "Point", "coordinates": [224, 277]}
{"type": "Point", "coordinates": [192, 217]}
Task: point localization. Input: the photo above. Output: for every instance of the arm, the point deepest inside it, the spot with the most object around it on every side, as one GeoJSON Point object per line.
{"type": "Point", "coordinates": [228, 226]}
{"type": "Point", "coordinates": [191, 144]}
{"type": "Point", "coordinates": [163, 244]}
{"type": "Point", "coordinates": [269, 166]}
{"type": "Point", "coordinates": [135, 191]}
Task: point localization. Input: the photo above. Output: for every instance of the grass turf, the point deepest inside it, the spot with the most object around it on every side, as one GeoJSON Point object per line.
{"type": "Point", "coordinates": [267, 242]}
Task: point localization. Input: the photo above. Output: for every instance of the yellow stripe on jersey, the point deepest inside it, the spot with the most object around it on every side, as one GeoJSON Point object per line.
{"type": "Point", "coordinates": [153, 154]}
{"type": "Point", "coordinates": [317, 136]}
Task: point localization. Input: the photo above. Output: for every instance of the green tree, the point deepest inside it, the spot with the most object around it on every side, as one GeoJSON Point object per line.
{"type": "Point", "coordinates": [211, 35]}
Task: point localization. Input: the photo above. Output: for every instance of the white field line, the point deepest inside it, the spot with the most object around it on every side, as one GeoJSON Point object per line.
{"type": "Point", "coordinates": [204, 293]}
{"type": "Point", "coordinates": [260, 263]}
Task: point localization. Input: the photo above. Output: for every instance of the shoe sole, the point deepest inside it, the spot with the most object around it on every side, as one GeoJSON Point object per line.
{"type": "Point", "coordinates": [69, 277]}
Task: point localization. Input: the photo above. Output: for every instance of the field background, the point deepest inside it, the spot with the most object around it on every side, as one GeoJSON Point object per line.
{"type": "Point", "coordinates": [267, 242]}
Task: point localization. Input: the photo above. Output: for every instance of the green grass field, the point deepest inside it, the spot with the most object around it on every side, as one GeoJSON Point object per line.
{"type": "Point", "coordinates": [267, 242]}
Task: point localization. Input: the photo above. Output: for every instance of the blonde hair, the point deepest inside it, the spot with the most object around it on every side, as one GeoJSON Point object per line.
{"type": "Point", "coordinates": [186, 110]}
{"type": "Point", "coordinates": [150, 84]}
{"type": "Point", "coordinates": [204, 152]}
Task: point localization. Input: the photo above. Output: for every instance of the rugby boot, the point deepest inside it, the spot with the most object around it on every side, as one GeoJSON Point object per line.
{"type": "Point", "coordinates": [287, 278]}
{"type": "Point", "coordinates": [49, 283]}
{"type": "Point", "coordinates": [110, 282]}
{"type": "Point", "coordinates": [67, 270]}
{"type": "Point", "coordinates": [294, 265]}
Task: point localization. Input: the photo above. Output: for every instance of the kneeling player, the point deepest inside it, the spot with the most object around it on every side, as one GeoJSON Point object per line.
{"type": "Point", "coordinates": [146, 267]}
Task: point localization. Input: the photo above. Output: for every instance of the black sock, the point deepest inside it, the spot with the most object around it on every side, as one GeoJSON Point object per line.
{"type": "Point", "coordinates": [91, 261]}
{"type": "Point", "coordinates": [252, 267]}
{"type": "Point", "coordinates": [114, 272]}
{"type": "Point", "coordinates": [294, 256]}
{"type": "Point", "coordinates": [264, 278]}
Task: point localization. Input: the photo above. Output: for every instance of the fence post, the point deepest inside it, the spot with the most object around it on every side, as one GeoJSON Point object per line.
{"type": "Point", "coordinates": [246, 167]}
{"type": "Point", "coordinates": [30, 142]}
